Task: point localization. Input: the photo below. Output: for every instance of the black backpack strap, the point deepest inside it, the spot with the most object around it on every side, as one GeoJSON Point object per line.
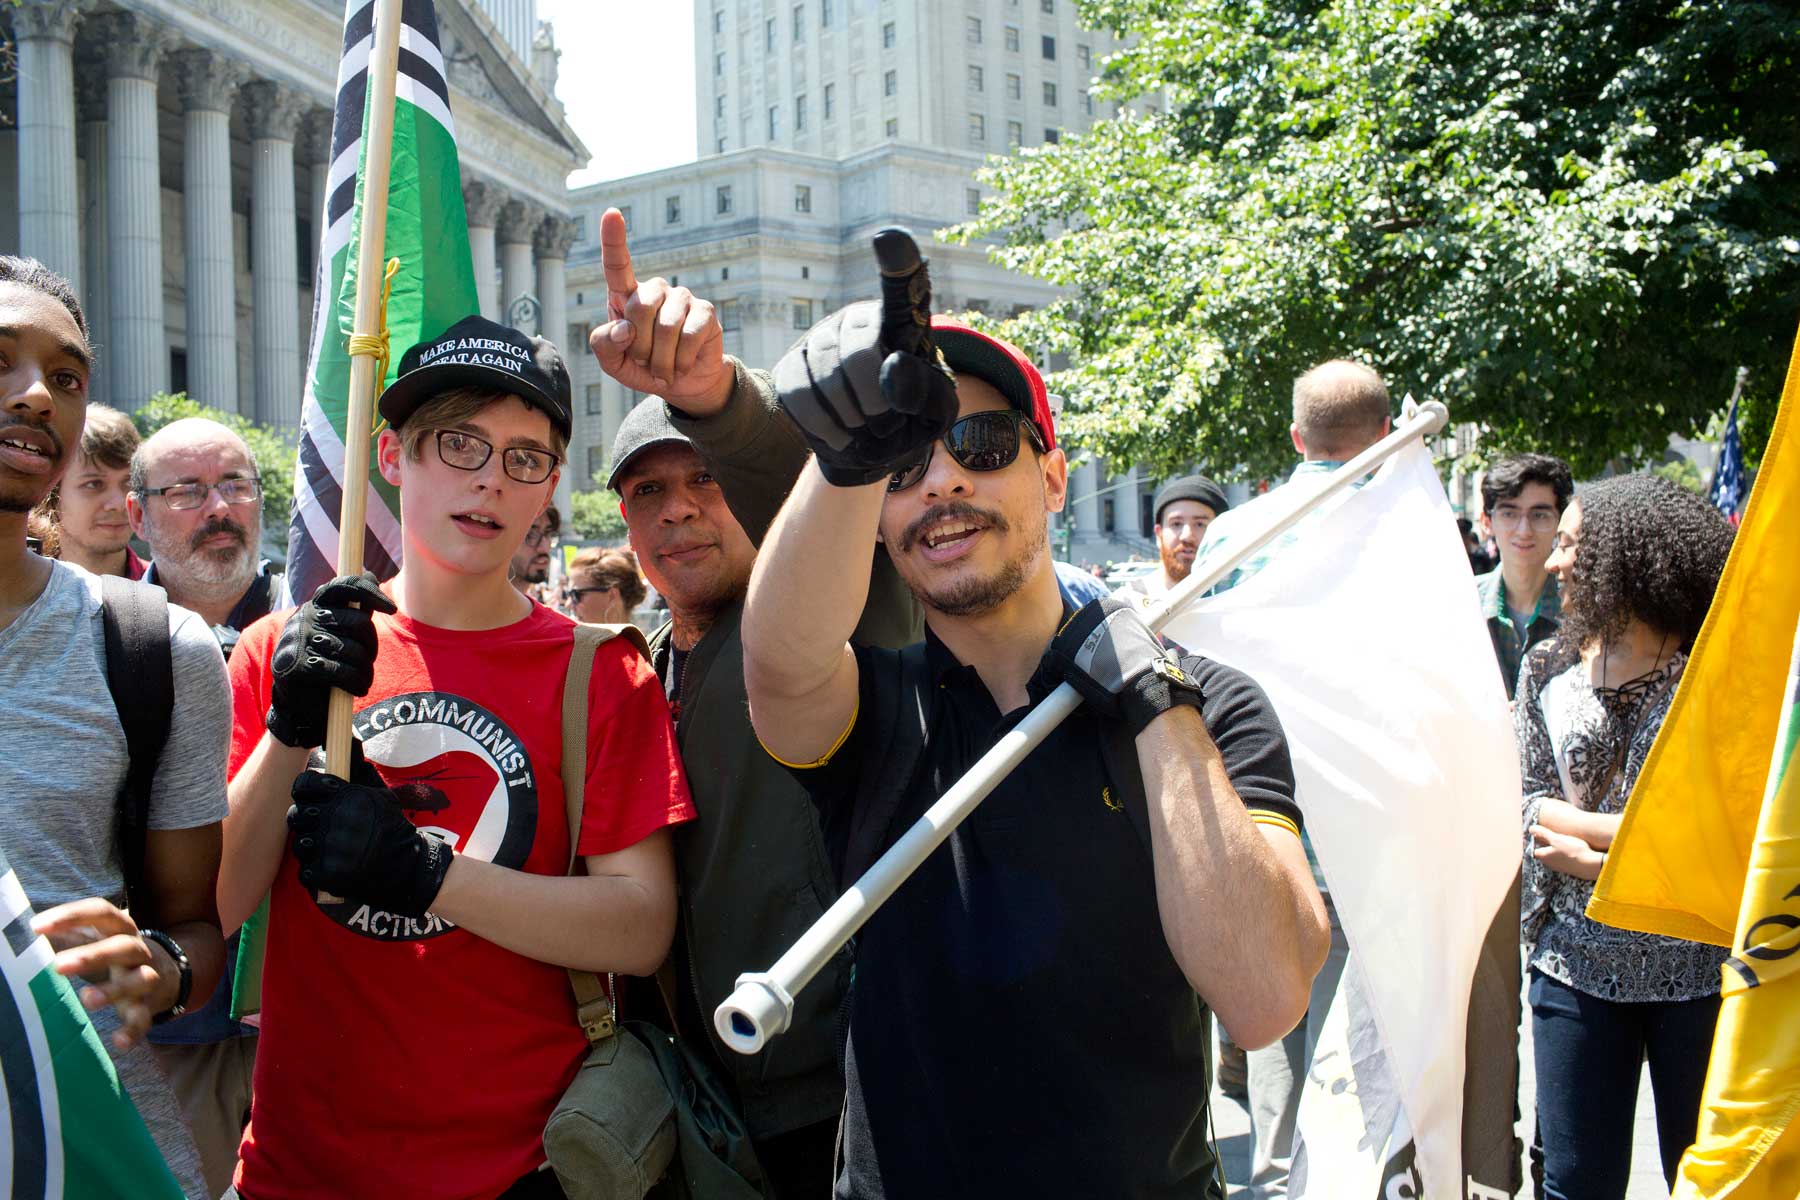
{"type": "Point", "coordinates": [140, 674]}
{"type": "Point", "coordinates": [902, 719]}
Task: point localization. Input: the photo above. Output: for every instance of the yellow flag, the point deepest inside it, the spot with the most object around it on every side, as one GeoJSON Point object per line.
{"type": "Point", "coordinates": [1678, 862]}
{"type": "Point", "coordinates": [1748, 1146]}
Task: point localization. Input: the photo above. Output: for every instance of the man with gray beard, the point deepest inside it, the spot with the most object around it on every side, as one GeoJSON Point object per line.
{"type": "Point", "coordinates": [195, 496]}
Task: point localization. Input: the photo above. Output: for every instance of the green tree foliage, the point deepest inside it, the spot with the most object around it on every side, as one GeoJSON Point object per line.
{"type": "Point", "coordinates": [273, 449]}
{"type": "Point", "coordinates": [595, 516]}
{"type": "Point", "coordinates": [1571, 220]}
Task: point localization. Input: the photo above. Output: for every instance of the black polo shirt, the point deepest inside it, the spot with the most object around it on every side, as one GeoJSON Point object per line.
{"type": "Point", "coordinates": [1018, 1025]}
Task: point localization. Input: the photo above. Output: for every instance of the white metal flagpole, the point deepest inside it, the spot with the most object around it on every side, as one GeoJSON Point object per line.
{"type": "Point", "coordinates": [763, 1003]}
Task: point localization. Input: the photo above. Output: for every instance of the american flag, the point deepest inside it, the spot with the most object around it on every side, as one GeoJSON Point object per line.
{"type": "Point", "coordinates": [1728, 480]}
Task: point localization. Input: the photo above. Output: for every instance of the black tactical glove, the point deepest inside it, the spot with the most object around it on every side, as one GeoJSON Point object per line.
{"type": "Point", "coordinates": [866, 386]}
{"type": "Point", "coordinates": [1115, 662]}
{"type": "Point", "coordinates": [325, 644]}
{"type": "Point", "coordinates": [351, 839]}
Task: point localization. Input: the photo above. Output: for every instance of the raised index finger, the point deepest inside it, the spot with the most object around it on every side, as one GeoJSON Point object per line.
{"type": "Point", "coordinates": [615, 260]}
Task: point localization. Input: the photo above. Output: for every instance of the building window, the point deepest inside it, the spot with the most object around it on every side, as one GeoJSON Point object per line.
{"type": "Point", "coordinates": [1015, 134]}
{"type": "Point", "coordinates": [594, 399]}
{"type": "Point", "coordinates": [581, 227]}
{"type": "Point", "coordinates": [729, 320]}
{"type": "Point", "coordinates": [1087, 103]}
{"type": "Point", "coordinates": [1052, 136]}
{"type": "Point", "coordinates": [1048, 6]}
{"type": "Point", "coordinates": [1015, 87]}
{"type": "Point", "coordinates": [805, 272]}
{"type": "Point", "coordinates": [1049, 48]}
{"type": "Point", "coordinates": [890, 83]}
{"type": "Point", "coordinates": [892, 128]}
{"type": "Point", "coordinates": [974, 31]}
{"type": "Point", "coordinates": [724, 274]}
{"type": "Point", "coordinates": [718, 20]}
{"type": "Point", "coordinates": [721, 147]}
{"type": "Point", "coordinates": [596, 461]}
{"type": "Point", "coordinates": [769, 34]}
{"type": "Point", "coordinates": [800, 113]}
{"type": "Point", "coordinates": [887, 36]}
{"type": "Point", "coordinates": [1049, 94]}
{"type": "Point", "coordinates": [774, 121]}
{"type": "Point", "coordinates": [977, 129]}
{"type": "Point", "coordinates": [799, 23]}
{"type": "Point", "coordinates": [719, 64]}
{"type": "Point", "coordinates": [830, 101]}
{"type": "Point", "coordinates": [719, 105]}
{"type": "Point", "coordinates": [825, 7]}
{"type": "Point", "coordinates": [803, 314]}
{"type": "Point", "coordinates": [1084, 54]}
{"type": "Point", "coordinates": [972, 199]}
{"type": "Point", "coordinates": [1109, 522]}
{"type": "Point", "coordinates": [977, 305]}
{"type": "Point", "coordinates": [802, 197]}
{"type": "Point", "coordinates": [1012, 38]}
{"type": "Point", "coordinates": [975, 78]}
{"type": "Point", "coordinates": [672, 210]}
{"type": "Point", "coordinates": [625, 211]}
{"type": "Point", "coordinates": [722, 199]}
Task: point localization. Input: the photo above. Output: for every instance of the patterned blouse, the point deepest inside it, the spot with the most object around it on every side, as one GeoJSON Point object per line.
{"type": "Point", "coordinates": [1570, 738]}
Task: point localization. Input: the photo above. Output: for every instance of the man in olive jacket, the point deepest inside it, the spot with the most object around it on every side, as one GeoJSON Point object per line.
{"type": "Point", "coordinates": [701, 468]}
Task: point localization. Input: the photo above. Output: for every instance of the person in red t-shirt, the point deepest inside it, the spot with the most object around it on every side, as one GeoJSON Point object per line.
{"type": "Point", "coordinates": [418, 1025]}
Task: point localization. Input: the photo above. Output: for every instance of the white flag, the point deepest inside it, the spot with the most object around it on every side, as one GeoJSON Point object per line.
{"type": "Point", "coordinates": [1366, 633]}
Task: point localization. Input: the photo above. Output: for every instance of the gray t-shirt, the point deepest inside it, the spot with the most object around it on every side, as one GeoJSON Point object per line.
{"type": "Point", "coordinates": [62, 767]}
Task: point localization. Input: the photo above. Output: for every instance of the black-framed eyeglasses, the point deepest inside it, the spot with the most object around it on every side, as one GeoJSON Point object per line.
{"type": "Point", "coordinates": [466, 452]}
{"type": "Point", "coordinates": [575, 594]}
{"type": "Point", "coordinates": [983, 441]}
{"type": "Point", "coordinates": [540, 534]}
{"type": "Point", "coordinates": [180, 497]}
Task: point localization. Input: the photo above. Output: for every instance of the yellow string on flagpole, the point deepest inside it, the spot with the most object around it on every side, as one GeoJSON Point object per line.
{"type": "Point", "coordinates": [376, 344]}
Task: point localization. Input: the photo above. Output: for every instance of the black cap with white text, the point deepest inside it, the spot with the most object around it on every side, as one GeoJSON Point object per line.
{"type": "Point", "coordinates": [479, 353]}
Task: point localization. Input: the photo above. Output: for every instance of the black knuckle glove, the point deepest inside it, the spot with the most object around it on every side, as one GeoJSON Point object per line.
{"type": "Point", "coordinates": [352, 840]}
{"type": "Point", "coordinates": [866, 387]}
{"type": "Point", "coordinates": [1107, 653]}
{"type": "Point", "coordinates": [328, 642]}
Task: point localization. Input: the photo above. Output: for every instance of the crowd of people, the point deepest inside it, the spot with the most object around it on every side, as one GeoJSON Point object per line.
{"type": "Point", "coordinates": [860, 601]}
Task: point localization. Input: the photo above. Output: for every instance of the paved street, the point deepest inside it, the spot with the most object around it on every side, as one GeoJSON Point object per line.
{"type": "Point", "coordinates": [1231, 1125]}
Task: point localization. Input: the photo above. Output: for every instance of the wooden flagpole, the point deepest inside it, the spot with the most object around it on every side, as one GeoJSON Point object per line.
{"type": "Point", "coordinates": [365, 360]}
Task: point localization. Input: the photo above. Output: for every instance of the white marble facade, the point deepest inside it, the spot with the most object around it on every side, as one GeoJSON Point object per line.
{"type": "Point", "coordinates": [168, 157]}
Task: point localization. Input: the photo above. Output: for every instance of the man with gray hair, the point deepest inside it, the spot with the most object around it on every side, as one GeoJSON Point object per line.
{"type": "Point", "coordinates": [196, 497]}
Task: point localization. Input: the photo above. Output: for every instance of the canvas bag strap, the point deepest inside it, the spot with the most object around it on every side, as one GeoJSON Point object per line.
{"type": "Point", "coordinates": [595, 1007]}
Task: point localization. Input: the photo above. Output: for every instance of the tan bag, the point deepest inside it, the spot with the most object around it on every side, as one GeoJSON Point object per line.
{"type": "Point", "coordinates": [612, 1135]}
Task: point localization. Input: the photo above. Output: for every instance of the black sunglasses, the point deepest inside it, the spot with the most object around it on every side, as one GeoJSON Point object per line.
{"type": "Point", "coordinates": [983, 441]}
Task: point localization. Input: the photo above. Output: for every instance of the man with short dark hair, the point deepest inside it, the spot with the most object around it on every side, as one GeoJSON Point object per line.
{"type": "Point", "coordinates": [699, 478]}
{"type": "Point", "coordinates": [148, 956]}
{"type": "Point", "coordinates": [1184, 508]}
{"type": "Point", "coordinates": [1522, 499]}
{"type": "Point", "coordinates": [531, 565]}
{"type": "Point", "coordinates": [85, 519]}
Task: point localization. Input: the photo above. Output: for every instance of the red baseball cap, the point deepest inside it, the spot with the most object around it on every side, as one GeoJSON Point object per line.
{"type": "Point", "coordinates": [999, 364]}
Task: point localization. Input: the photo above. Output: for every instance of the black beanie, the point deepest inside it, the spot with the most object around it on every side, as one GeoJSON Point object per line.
{"type": "Point", "coordinates": [1191, 487]}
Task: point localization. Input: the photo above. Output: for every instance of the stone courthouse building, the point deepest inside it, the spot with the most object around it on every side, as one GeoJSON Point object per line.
{"type": "Point", "coordinates": [169, 157]}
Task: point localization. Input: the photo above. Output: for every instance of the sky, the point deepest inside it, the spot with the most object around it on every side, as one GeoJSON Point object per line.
{"type": "Point", "coordinates": [626, 80]}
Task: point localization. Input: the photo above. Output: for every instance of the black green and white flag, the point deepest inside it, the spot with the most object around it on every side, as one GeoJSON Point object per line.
{"type": "Point", "coordinates": [68, 1131]}
{"type": "Point", "coordinates": [427, 230]}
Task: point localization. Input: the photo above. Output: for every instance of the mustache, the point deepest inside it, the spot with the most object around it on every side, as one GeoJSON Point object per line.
{"type": "Point", "coordinates": [945, 512]}
{"type": "Point", "coordinates": [218, 525]}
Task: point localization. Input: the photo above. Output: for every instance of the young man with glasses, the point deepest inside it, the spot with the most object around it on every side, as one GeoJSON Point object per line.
{"type": "Point", "coordinates": [418, 1024]}
{"type": "Point", "coordinates": [1522, 499]}
{"type": "Point", "coordinates": [1029, 1013]}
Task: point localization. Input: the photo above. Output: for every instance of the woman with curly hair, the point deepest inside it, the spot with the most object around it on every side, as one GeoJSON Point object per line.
{"type": "Point", "coordinates": [1637, 559]}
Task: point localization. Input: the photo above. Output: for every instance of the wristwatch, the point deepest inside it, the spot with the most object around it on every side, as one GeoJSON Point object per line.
{"type": "Point", "coordinates": [181, 963]}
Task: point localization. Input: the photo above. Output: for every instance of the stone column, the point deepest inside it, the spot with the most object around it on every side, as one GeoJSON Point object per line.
{"type": "Point", "coordinates": [48, 208]}
{"type": "Point", "coordinates": [272, 114]}
{"type": "Point", "coordinates": [517, 226]}
{"type": "Point", "coordinates": [96, 278]}
{"type": "Point", "coordinates": [208, 83]}
{"type": "Point", "coordinates": [312, 145]}
{"type": "Point", "coordinates": [482, 201]}
{"type": "Point", "coordinates": [133, 48]}
{"type": "Point", "coordinates": [552, 241]}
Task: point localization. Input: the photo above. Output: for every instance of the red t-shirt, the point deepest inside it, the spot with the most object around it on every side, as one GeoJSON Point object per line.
{"type": "Point", "coordinates": [404, 1057]}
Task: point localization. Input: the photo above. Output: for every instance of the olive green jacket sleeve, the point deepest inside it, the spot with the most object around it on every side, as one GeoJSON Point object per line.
{"type": "Point", "coordinates": [757, 454]}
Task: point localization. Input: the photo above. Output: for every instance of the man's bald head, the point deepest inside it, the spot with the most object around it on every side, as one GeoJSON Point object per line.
{"type": "Point", "coordinates": [1340, 409]}
{"type": "Point", "coordinates": [186, 436]}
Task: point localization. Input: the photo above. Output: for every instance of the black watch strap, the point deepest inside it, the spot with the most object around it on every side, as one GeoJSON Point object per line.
{"type": "Point", "coordinates": [186, 987]}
